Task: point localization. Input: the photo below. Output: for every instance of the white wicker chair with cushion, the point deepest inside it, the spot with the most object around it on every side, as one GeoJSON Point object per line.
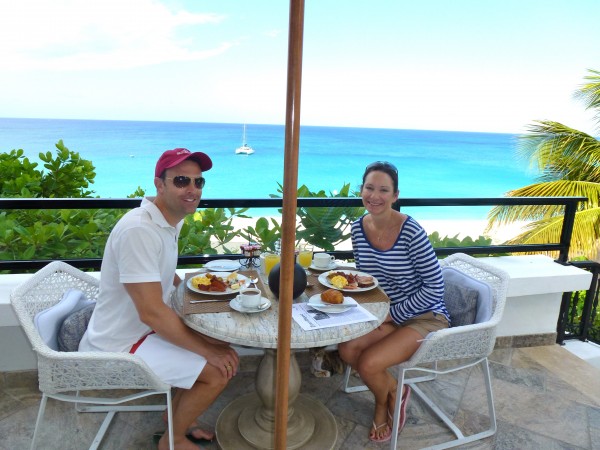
{"type": "Point", "coordinates": [65, 376]}
{"type": "Point", "coordinates": [475, 293]}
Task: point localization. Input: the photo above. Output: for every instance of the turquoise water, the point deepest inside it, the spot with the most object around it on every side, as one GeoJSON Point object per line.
{"type": "Point", "coordinates": [430, 163]}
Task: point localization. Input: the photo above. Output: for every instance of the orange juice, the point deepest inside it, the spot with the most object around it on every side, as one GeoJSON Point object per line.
{"type": "Point", "coordinates": [270, 262]}
{"type": "Point", "coordinates": [305, 258]}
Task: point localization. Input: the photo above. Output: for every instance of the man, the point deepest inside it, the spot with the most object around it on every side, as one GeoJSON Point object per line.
{"type": "Point", "coordinates": [137, 277]}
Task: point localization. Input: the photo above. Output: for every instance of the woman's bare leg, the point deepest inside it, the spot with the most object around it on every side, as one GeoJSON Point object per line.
{"type": "Point", "coordinates": [393, 348]}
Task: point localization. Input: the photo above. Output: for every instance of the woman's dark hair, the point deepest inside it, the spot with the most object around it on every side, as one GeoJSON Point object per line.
{"type": "Point", "coordinates": [385, 167]}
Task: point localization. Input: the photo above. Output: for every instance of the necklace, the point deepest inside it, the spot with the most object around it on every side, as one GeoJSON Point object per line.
{"type": "Point", "coordinates": [382, 235]}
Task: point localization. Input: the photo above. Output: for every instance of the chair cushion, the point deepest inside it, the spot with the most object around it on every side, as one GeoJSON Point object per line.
{"type": "Point", "coordinates": [461, 303]}
{"type": "Point", "coordinates": [48, 321]}
{"type": "Point", "coordinates": [73, 327]}
{"type": "Point", "coordinates": [468, 300]}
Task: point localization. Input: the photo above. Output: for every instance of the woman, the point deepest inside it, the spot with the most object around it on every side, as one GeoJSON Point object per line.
{"type": "Point", "coordinates": [395, 249]}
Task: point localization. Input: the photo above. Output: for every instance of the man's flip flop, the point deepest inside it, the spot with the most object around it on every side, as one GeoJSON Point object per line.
{"type": "Point", "coordinates": [159, 434]}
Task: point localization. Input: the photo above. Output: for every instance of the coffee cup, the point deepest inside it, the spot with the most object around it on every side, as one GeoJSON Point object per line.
{"type": "Point", "coordinates": [250, 298]}
{"type": "Point", "coordinates": [323, 260]}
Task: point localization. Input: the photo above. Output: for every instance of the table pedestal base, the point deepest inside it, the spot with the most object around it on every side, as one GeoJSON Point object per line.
{"type": "Point", "coordinates": [240, 414]}
{"type": "Point", "coordinates": [249, 422]}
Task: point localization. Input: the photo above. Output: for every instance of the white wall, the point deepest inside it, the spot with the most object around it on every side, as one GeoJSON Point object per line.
{"type": "Point", "coordinates": [533, 303]}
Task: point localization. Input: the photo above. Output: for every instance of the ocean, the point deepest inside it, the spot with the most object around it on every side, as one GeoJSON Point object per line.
{"type": "Point", "coordinates": [431, 164]}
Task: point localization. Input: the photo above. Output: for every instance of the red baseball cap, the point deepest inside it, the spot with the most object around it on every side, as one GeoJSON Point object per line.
{"type": "Point", "coordinates": [171, 158]}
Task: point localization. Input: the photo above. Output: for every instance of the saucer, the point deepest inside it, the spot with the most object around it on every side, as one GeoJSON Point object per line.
{"type": "Point", "coordinates": [315, 301]}
{"type": "Point", "coordinates": [237, 306]}
{"type": "Point", "coordinates": [332, 265]}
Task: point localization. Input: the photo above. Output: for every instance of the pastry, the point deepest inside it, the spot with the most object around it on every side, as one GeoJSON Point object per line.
{"type": "Point", "coordinates": [332, 296]}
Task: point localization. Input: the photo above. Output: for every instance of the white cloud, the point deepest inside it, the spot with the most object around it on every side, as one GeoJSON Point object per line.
{"type": "Point", "coordinates": [113, 34]}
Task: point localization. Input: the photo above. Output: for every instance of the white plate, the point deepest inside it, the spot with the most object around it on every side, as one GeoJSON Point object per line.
{"type": "Point", "coordinates": [332, 265]}
{"type": "Point", "coordinates": [325, 282]}
{"type": "Point", "coordinates": [315, 300]}
{"type": "Point", "coordinates": [237, 305]}
{"type": "Point", "coordinates": [245, 283]}
{"type": "Point", "coordinates": [222, 265]}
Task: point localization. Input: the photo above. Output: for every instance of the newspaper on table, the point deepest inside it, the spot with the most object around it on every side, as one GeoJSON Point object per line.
{"type": "Point", "coordinates": [310, 318]}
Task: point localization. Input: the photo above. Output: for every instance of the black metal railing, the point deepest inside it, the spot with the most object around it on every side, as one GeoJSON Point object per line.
{"type": "Point", "coordinates": [562, 247]}
{"type": "Point", "coordinates": [578, 318]}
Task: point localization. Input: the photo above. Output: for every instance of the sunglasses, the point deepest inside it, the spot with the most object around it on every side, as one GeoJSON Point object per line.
{"type": "Point", "coordinates": [182, 181]}
{"type": "Point", "coordinates": [380, 164]}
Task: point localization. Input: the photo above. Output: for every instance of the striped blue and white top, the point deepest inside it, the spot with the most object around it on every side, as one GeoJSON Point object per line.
{"type": "Point", "coordinates": [409, 272]}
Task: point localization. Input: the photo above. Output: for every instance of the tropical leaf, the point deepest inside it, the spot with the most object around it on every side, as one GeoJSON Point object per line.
{"type": "Point", "coordinates": [585, 239]}
{"type": "Point", "coordinates": [568, 161]}
{"type": "Point", "coordinates": [560, 152]}
{"type": "Point", "coordinates": [590, 93]}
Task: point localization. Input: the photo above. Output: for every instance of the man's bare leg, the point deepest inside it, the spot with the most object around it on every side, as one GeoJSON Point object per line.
{"type": "Point", "coordinates": [190, 404]}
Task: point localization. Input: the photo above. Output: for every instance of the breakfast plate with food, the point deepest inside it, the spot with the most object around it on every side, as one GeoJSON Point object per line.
{"type": "Point", "coordinates": [218, 283]}
{"type": "Point", "coordinates": [331, 301]}
{"type": "Point", "coordinates": [348, 280]}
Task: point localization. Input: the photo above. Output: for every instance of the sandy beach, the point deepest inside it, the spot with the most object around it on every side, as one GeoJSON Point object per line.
{"type": "Point", "coordinates": [445, 227]}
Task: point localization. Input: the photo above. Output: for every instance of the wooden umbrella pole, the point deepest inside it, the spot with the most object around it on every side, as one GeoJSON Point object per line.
{"type": "Point", "coordinates": [288, 234]}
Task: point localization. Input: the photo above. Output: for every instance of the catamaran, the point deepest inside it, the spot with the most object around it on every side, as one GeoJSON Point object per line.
{"type": "Point", "coordinates": [245, 149]}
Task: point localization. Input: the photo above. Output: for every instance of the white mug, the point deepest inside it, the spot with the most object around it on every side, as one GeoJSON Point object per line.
{"type": "Point", "coordinates": [323, 260]}
{"type": "Point", "coordinates": [250, 298]}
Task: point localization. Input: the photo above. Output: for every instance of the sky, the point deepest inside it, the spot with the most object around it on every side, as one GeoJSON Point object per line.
{"type": "Point", "coordinates": [465, 65]}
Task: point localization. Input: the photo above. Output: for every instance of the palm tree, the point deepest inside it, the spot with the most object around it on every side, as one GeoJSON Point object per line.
{"type": "Point", "coordinates": [569, 164]}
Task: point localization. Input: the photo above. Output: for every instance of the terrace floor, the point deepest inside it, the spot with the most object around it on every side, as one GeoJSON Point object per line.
{"type": "Point", "coordinates": [545, 397]}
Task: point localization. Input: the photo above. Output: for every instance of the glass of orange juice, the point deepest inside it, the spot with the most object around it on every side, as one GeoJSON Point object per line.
{"type": "Point", "coordinates": [270, 261]}
{"type": "Point", "coordinates": [305, 255]}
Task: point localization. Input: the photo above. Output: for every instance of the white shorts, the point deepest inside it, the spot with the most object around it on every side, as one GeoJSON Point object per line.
{"type": "Point", "coordinates": [172, 364]}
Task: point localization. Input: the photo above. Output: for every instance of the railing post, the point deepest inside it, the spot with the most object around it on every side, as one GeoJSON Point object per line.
{"type": "Point", "coordinates": [591, 297]}
{"type": "Point", "coordinates": [567, 231]}
{"type": "Point", "coordinates": [563, 317]}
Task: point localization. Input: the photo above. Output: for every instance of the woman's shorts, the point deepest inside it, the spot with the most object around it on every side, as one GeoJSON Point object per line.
{"type": "Point", "coordinates": [426, 323]}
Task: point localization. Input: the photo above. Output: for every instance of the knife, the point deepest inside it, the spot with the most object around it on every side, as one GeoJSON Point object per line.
{"type": "Point", "coordinates": [326, 305]}
{"type": "Point", "coordinates": [210, 300]}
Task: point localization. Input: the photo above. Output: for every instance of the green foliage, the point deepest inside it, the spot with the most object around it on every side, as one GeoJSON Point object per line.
{"type": "Point", "coordinates": [575, 316]}
{"type": "Point", "coordinates": [446, 241]}
{"type": "Point", "coordinates": [325, 227]}
{"type": "Point", "coordinates": [51, 234]}
{"type": "Point", "coordinates": [55, 234]}
{"type": "Point", "coordinates": [211, 223]}
{"type": "Point", "coordinates": [66, 176]}
{"type": "Point", "coordinates": [262, 234]}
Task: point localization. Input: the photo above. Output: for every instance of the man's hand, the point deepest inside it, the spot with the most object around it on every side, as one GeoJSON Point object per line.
{"type": "Point", "coordinates": [224, 358]}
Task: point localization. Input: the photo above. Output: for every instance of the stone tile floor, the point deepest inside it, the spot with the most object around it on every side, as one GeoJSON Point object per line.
{"type": "Point", "coordinates": [545, 397]}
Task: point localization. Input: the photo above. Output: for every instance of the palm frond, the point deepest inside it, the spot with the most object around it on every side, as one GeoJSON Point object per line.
{"type": "Point", "coordinates": [560, 152]}
{"type": "Point", "coordinates": [585, 239]}
{"type": "Point", "coordinates": [503, 214]}
{"type": "Point", "coordinates": [589, 92]}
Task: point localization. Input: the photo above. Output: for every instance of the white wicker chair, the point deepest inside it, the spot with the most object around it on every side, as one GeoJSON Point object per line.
{"type": "Point", "coordinates": [462, 346]}
{"type": "Point", "coordinates": [63, 375]}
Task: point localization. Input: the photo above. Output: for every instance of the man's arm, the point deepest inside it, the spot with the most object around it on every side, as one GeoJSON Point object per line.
{"type": "Point", "coordinates": [148, 301]}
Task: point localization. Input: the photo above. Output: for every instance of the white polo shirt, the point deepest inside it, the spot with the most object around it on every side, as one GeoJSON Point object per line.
{"type": "Point", "coordinates": [141, 248]}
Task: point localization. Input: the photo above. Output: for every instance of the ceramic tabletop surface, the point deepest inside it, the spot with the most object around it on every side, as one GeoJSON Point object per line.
{"type": "Point", "coordinates": [260, 329]}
